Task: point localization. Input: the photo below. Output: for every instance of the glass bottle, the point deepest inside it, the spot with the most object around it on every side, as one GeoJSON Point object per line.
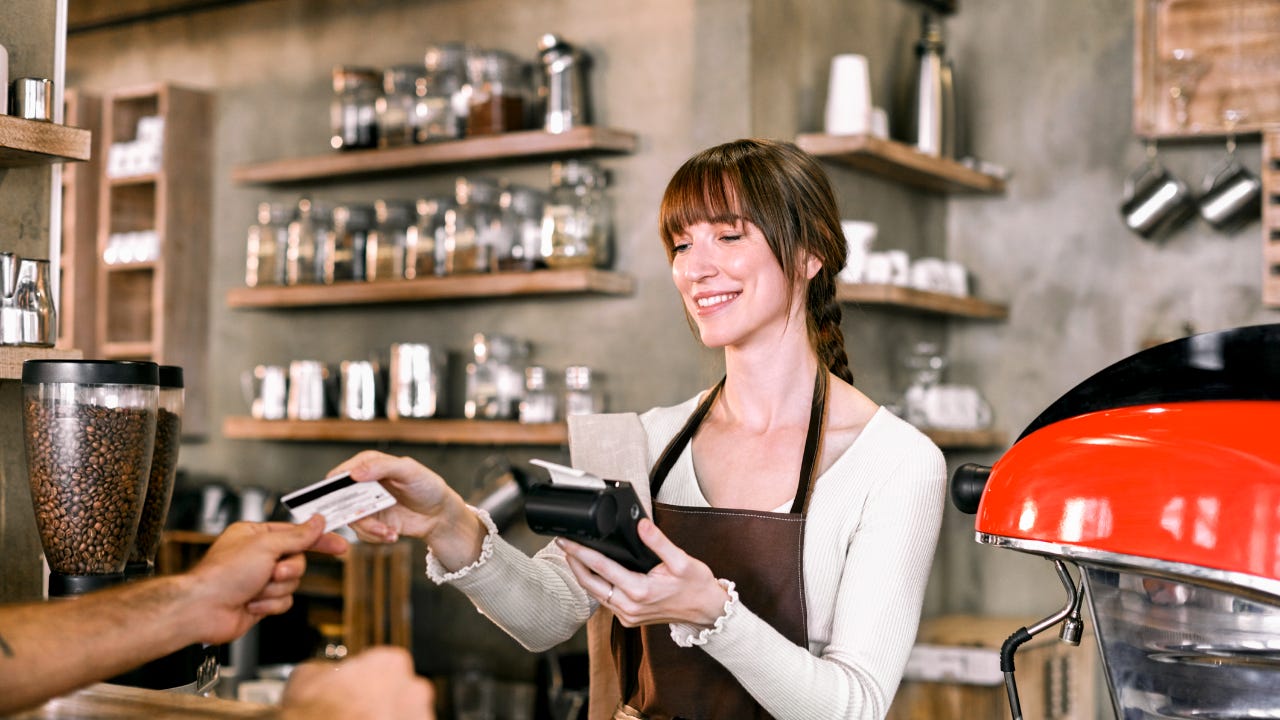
{"type": "Point", "coordinates": [539, 404]}
{"type": "Point", "coordinates": [498, 91]}
{"type": "Point", "coordinates": [344, 254]}
{"type": "Point", "coordinates": [268, 245]}
{"type": "Point", "coordinates": [397, 106]}
{"type": "Point", "coordinates": [576, 217]}
{"type": "Point", "coordinates": [385, 245]}
{"type": "Point", "coordinates": [521, 227]}
{"type": "Point", "coordinates": [579, 396]}
{"type": "Point", "coordinates": [353, 111]}
{"type": "Point", "coordinates": [446, 92]}
{"type": "Point", "coordinates": [495, 377]}
{"type": "Point", "coordinates": [423, 241]}
{"type": "Point", "coordinates": [308, 238]}
{"type": "Point", "coordinates": [471, 227]}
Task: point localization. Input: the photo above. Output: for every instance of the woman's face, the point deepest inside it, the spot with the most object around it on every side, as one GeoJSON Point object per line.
{"type": "Point", "coordinates": [732, 285]}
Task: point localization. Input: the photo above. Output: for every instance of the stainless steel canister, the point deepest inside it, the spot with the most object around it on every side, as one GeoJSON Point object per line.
{"type": "Point", "coordinates": [307, 385]}
{"type": "Point", "coordinates": [362, 390]}
{"type": "Point", "coordinates": [32, 98]}
{"type": "Point", "coordinates": [34, 300]}
{"type": "Point", "coordinates": [565, 69]}
{"type": "Point", "coordinates": [416, 381]}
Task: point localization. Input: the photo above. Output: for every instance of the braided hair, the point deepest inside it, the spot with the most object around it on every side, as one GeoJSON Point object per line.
{"type": "Point", "coordinates": [782, 190]}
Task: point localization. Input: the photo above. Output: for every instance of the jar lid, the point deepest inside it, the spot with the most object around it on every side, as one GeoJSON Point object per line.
{"type": "Point", "coordinates": [90, 372]}
{"type": "Point", "coordinates": [170, 376]}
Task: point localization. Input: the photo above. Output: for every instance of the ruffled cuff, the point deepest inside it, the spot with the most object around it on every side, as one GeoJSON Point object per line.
{"type": "Point", "coordinates": [440, 575]}
{"type": "Point", "coordinates": [687, 635]}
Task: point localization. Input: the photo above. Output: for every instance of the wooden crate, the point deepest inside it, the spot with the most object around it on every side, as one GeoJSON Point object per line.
{"type": "Point", "coordinates": [1055, 681]}
{"type": "Point", "coordinates": [1237, 43]}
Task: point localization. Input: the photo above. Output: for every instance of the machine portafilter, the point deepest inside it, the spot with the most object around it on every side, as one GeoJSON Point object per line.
{"type": "Point", "coordinates": [1159, 478]}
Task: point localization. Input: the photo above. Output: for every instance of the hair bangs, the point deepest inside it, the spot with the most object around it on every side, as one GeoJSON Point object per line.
{"type": "Point", "coordinates": [707, 190]}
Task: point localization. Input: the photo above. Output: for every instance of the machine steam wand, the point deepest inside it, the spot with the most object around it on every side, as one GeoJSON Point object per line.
{"type": "Point", "coordinates": [1070, 633]}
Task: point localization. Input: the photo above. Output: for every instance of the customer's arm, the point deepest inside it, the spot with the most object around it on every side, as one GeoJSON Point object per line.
{"type": "Point", "coordinates": [250, 571]}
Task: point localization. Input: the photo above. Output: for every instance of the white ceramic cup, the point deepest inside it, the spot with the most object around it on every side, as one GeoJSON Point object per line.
{"type": "Point", "coordinates": [955, 407]}
{"type": "Point", "coordinates": [848, 109]}
{"type": "Point", "coordinates": [880, 123]}
{"type": "Point", "coordinates": [860, 235]}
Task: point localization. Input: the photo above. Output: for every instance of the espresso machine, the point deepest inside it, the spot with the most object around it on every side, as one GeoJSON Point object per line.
{"type": "Point", "coordinates": [102, 450]}
{"type": "Point", "coordinates": [1158, 480]}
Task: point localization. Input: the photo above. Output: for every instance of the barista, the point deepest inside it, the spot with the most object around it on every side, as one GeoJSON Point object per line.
{"type": "Point", "coordinates": [249, 572]}
{"type": "Point", "coordinates": [795, 518]}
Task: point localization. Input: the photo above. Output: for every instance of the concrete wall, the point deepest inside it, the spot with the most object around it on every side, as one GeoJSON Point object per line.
{"type": "Point", "coordinates": [27, 33]}
{"type": "Point", "coordinates": [1045, 91]}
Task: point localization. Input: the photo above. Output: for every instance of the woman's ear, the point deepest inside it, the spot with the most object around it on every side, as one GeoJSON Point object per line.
{"type": "Point", "coordinates": [811, 265]}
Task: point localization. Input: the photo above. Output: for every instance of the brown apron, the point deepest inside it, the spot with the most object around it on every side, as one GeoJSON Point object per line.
{"type": "Point", "coordinates": [761, 552]}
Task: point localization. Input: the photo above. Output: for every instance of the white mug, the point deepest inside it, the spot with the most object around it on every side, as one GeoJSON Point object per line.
{"type": "Point", "coordinates": [848, 109]}
{"type": "Point", "coordinates": [859, 235]}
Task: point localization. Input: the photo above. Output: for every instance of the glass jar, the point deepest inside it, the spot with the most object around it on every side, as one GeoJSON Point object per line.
{"type": "Point", "coordinates": [499, 87]}
{"type": "Point", "coordinates": [353, 112]}
{"type": "Point", "coordinates": [495, 377]}
{"type": "Point", "coordinates": [268, 245]}
{"type": "Point", "coordinates": [521, 227]}
{"type": "Point", "coordinates": [88, 493]}
{"type": "Point", "coordinates": [922, 366]}
{"type": "Point", "coordinates": [472, 227]}
{"type": "Point", "coordinates": [345, 254]}
{"type": "Point", "coordinates": [576, 218]}
{"type": "Point", "coordinates": [309, 234]}
{"type": "Point", "coordinates": [424, 240]}
{"type": "Point", "coordinates": [164, 469]}
{"type": "Point", "coordinates": [397, 107]}
{"type": "Point", "coordinates": [580, 398]}
{"type": "Point", "coordinates": [446, 80]}
{"type": "Point", "coordinates": [385, 246]}
{"type": "Point", "coordinates": [539, 404]}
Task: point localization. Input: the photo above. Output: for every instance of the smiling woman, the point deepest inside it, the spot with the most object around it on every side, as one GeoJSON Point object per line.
{"type": "Point", "coordinates": [778, 496]}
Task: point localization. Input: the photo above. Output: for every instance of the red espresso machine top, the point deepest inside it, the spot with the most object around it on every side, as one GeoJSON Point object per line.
{"type": "Point", "coordinates": [1158, 478]}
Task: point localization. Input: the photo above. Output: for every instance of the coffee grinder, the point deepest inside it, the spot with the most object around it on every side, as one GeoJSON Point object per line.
{"type": "Point", "coordinates": [90, 428]}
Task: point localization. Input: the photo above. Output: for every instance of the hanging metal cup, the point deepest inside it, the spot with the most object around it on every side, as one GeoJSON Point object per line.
{"type": "Point", "coordinates": [1232, 195]}
{"type": "Point", "coordinates": [1155, 201]}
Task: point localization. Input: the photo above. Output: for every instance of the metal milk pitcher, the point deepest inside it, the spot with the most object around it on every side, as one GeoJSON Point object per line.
{"type": "Point", "coordinates": [27, 315]}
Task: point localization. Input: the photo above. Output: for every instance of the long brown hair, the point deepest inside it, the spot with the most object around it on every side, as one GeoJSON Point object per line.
{"type": "Point", "coordinates": [782, 190]}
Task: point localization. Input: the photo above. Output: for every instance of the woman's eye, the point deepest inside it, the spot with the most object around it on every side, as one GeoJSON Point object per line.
{"type": "Point", "coordinates": [730, 238]}
{"type": "Point", "coordinates": [679, 247]}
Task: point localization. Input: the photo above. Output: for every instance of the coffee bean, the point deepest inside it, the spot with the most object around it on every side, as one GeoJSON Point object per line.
{"type": "Point", "coordinates": [87, 500]}
{"type": "Point", "coordinates": [164, 467]}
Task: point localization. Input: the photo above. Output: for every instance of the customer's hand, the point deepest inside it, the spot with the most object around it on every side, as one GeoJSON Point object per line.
{"type": "Point", "coordinates": [377, 683]}
{"type": "Point", "coordinates": [251, 571]}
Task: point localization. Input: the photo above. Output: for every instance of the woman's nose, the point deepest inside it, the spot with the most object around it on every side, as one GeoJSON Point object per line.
{"type": "Point", "coordinates": [696, 264]}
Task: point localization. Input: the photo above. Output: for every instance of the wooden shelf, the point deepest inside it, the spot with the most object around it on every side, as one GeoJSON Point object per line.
{"type": "Point", "coordinates": [12, 357]}
{"type": "Point", "coordinates": [129, 266]}
{"type": "Point", "coordinates": [965, 439]}
{"type": "Point", "coordinates": [128, 350]}
{"type": "Point", "coordinates": [481, 285]}
{"type": "Point", "coordinates": [900, 162]}
{"type": "Point", "coordinates": [521, 145]}
{"type": "Point", "coordinates": [26, 143]}
{"type": "Point", "coordinates": [140, 179]}
{"type": "Point", "coordinates": [907, 298]}
{"type": "Point", "coordinates": [441, 432]}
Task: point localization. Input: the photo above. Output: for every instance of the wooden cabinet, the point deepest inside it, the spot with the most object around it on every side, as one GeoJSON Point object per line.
{"type": "Point", "coordinates": [78, 263]}
{"type": "Point", "coordinates": [513, 147]}
{"type": "Point", "coordinates": [157, 309]}
{"type": "Point", "coordinates": [366, 590]}
{"type": "Point", "coordinates": [901, 163]}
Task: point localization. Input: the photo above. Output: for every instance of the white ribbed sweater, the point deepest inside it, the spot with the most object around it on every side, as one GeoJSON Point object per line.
{"type": "Point", "coordinates": [869, 541]}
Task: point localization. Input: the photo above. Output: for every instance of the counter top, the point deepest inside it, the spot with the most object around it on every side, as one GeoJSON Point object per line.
{"type": "Point", "coordinates": [117, 702]}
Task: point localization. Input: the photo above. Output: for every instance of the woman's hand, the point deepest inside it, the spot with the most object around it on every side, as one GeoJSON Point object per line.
{"type": "Point", "coordinates": [426, 508]}
{"type": "Point", "coordinates": [681, 589]}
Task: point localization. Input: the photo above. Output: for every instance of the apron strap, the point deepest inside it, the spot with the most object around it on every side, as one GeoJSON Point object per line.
{"type": "Point", "coordinates": [808, 463]}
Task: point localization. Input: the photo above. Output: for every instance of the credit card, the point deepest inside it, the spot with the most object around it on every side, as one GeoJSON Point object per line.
{"type": "Point", "coordinates": [339, 498]}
